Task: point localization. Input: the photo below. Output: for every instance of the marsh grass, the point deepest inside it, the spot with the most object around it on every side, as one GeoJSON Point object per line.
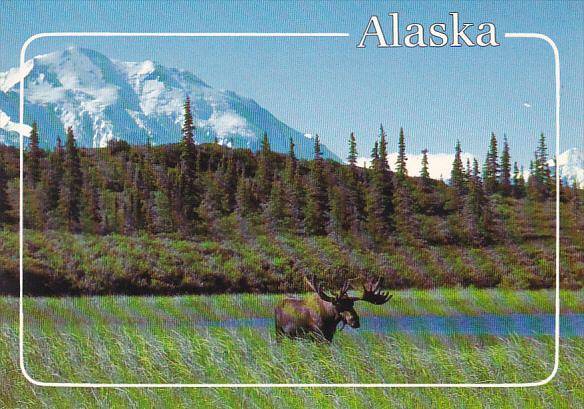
{"type": "Point", "coordinates": [148, 339]}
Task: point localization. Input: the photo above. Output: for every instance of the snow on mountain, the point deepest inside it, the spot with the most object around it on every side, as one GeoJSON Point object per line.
{"type": "Point", "coordinates": [571, 166]}
{"type": "Point", "coordinates": [439, 164]}
{"type": "Point", "coordinates": [105, 99]}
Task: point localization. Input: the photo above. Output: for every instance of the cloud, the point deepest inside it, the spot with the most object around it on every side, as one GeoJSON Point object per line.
{"type": "Point", "coordinates": [439, 164]}
{"type": "Point", "coordinates": [527, 105]}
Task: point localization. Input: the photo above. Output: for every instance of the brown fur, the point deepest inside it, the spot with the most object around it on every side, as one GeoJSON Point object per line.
{"type": "Point", "coordinates": [313, 317]}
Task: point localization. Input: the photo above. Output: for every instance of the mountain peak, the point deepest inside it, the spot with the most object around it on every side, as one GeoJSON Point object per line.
{"type": "Point", "coordinates": [104, 99]}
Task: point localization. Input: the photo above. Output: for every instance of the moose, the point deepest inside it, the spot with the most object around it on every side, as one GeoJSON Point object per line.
{"type": "Point", "coordinates": [318, 316]}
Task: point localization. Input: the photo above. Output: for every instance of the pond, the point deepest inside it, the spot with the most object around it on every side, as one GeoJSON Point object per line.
{"type": "Point", "coordinates": [489, 324]}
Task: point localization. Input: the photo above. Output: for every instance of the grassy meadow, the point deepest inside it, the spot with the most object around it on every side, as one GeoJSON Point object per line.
{"type": "Point", "coordinates": [166, 340]}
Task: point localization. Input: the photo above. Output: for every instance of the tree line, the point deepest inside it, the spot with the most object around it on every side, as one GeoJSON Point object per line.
{"type": "Point", "coordinates": [189, 188]}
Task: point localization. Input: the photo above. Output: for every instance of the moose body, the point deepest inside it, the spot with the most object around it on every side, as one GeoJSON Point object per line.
{"type": "Point", "coordinates": [319, 315]}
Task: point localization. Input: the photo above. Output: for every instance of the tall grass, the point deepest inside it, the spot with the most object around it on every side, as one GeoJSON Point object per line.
{"type": "Point", "coordinates": [148, 339]}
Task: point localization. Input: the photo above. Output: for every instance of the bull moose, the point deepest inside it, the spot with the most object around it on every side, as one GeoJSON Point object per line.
{"type": "Point", "coordinates": [319, 315]}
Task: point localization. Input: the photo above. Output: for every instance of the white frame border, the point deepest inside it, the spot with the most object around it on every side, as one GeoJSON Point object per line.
{"type": "Point", "coordinates": [33, 381]}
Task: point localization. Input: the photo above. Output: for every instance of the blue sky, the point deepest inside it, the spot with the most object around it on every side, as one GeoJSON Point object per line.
{"type": "Point", "coordinates": [330, 87]}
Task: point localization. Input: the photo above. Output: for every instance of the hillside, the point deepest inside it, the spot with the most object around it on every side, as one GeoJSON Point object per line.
{"type": "Point", "coordinates": [147, 220]}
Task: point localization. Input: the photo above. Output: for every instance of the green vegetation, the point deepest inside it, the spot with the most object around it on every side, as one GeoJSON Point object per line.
{"type": "Point", "coordinates": [161, 340]}
{"type": "Point", "coordinates": [248, 256]}
{"type": "Point", "coordinates": [188, 218]}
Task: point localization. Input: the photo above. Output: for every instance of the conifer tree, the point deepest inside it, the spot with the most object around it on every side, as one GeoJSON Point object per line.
{"type": "Point", "coordinates": [340, 219]}
{"type": "Point", "coordinates": [382, 150]}
{"type": "Point", "coordinates": [315, 218]}
{"type": "Point", "coordinates": [229, 177]}
{"type": "Point", "coordinates": [245, 203]}
{"type": "Point", "coordinates": [472, 208]}
{"type": "Point", "coordinates": [401, 170]}
{"type": "Point", "coordinates": [379, 203]}
{"type": "Point", "coordinates": [276, 213]}
{"type": "Point", "coordinates": [72, 183]}
{"type": "Point", "coordinates": [425, 172]}
{"type": "Point", "coordinates": [90, 214]}
{"type": "Point", "coordinates": [189, 195]}
{"type": "Point", "coordinates": [542, 169]}
{"type": "Point", "coordinates": [375, 156]}
{"type": "Point", "coordinates": [264, 175]}
{"type": "Point", "coordinates": [55, 176]}
{"type": "Point", "coordinates": [491, 176]}
{"type": "Point", "coordinates": [467, 174]}
{"type": "Point", "coordinates": [292, 186]}
{"type": "Point", "coordinates": [352, 158]}
{"type": "Point", "coordinates": [354, 203]}
{"type": "Point", "coordinates": [505, 175]}
{"type": "Point", "coordinates": [34, 156]}
{"type": "Point", "coordinates": [576, 202]}
{"type": "Point", "coordinates": [475, 211]}
{"type": "Point", "coordinates": [457, 173]}
{"type": "Point", "coordinates": [522, 181]}
{"type": "Point", "coordinates": [406, 222]}
{"type": "Point", "coordinates": [518, 182]}
{"type": "Point", "coordinates": [4, 202]}
{"type": "Point", "coordinates": [291, 164]}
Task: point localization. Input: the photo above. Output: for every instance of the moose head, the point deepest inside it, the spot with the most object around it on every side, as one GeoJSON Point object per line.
{"type": "Point", "coordinates": [320, 314]}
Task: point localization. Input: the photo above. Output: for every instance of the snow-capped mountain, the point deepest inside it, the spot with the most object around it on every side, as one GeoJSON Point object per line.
{"type": "Point", "coordinates": [571, 166]}
{"type": "Point", "coordinates": [104, 99]}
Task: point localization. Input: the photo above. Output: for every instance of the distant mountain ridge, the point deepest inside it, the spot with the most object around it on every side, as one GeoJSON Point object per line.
{"type": "Point", "coordinates": [105, 99]}
{"type": "Point", "coordinates": [571, 166]}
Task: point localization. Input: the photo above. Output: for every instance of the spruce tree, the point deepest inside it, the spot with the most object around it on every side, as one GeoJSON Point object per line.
{"type": "Point", "coordinates": [491, 176]}
{"type": "Point", "coordinates": [379, 204]}
{"type": "Point", "coordinates": [542, 169]}
{"type": "Point", "coordinates": [244, 198]}
{"type": "Point", "coordinates": [90, 214]}
{"type": "Point", "coordinates": [382, 150]}
{"type": "Point", "coordinates": [276, 213]}
{"type": "Point", "coordinates": [291, 164]}
{"type": "Point", "coordinates": [4, 202]}
{"type": "Point", "coordinates": [339, 209]}
{"type": "Point", "coordinates": [72, 183]}
{"type": "Point", "coordinates": [518, 182]}
{"type": "Point", "coordinates": [505, 175]}
{"type": "Point", "coordinates": [229, 177]}
{"type": "Point", "coordinates": [190, 196]}
{"type": "Point", "coordinates": [401, 170]}
{"type": "Point", "coordinates": [425, 172]}
{"type": "Point", "coordinates": [34, 156]}
{"type": "Point", "coordinates": [457, 173]}
{"type": "Point", "coordinates": [315, 218]}
{"type": "Point", "coordinates": [55, 176]}
{"type": "Point", "coordinates": [522, 181]}
{"type": "Point", "coordinates": [473, 208]}
{"type": "Point", "coordinates": [264, 175]}
{"type": "Point", "coordinates": [352, 158]}
{"type": "Point", "coordinates": [375, 156]}
{"type": "Point", "coordinates": [292, 186]}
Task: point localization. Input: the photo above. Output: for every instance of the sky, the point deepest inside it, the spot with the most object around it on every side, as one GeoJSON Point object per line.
{"type": "Point", "coordinates": [328, 85]}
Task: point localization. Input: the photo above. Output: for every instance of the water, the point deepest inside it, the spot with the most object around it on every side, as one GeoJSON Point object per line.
{"type": "Point", "coordinates": [489, 324]}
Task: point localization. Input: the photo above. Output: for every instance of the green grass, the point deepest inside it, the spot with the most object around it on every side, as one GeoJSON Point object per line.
{"type": "Point", "coordinates": [157, 339]}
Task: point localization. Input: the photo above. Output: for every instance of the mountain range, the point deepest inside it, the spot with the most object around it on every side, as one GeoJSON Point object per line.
{"type": "Point", "coordinates": [105, 99]}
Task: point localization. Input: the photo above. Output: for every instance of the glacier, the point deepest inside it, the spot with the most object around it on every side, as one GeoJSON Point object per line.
{"type": "Point", "coordinates": [104, 99]}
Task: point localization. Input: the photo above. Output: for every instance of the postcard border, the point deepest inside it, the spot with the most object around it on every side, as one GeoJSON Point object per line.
{"type": "Point", "coordinates": [33, 381]}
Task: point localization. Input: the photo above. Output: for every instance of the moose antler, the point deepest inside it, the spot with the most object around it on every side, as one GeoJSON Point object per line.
{"type": "Point", "coordinates": [317, 288]}
{"type": "Point", "coordinates": [372, 293]}
{"type": "Point", "coordinates": [335, 297]}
